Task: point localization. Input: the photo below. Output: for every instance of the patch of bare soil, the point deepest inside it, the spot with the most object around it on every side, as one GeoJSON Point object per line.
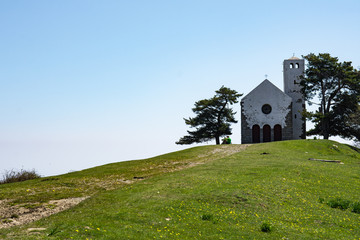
{"type": "Point", "coordinates": [25, 213]}
{"type": "Point", "coordinates": [227, 150]}
{"type": "Point", "coordinates": [223, 151]}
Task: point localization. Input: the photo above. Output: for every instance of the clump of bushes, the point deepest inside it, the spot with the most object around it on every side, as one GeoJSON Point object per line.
{"type": "Point", "coordinates": [356, 207]}
{"type": "Point", "coordinates": [18, 176]}
{"type": "Point", "coordinates": [339, 203]}
{"type": "Point", "coordinates": [342, 204]}
{"type": "Point", "coordinates": [265, 227]}
{"type": "Point", "coordinates": [207, 217]}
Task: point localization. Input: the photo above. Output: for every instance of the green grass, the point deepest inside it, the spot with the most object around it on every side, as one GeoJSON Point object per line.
{"type": "Point", "coordinates": [229, 196]}
{"type": "Point", "coordinates": [107, 177]}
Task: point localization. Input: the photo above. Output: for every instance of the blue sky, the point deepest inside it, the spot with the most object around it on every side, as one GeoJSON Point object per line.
{"type": "Point", "coordinates": [85, 83]}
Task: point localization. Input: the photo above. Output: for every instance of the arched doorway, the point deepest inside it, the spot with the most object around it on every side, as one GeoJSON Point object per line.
{"type": "Point", "coordinates": [266, 133]}
{"type": "Point", "coordinates": [277, 133]}
{"type": "Point", "coordinates": [256, 133]}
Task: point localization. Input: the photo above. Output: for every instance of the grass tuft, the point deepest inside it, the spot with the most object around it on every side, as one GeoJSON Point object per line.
{"type": "Point", "coordinates": [339, 203]}
{"type": "Point", "coordinates": [207, 217]}
{"type": "Point", "coordinates": [266, 227]}
{"type": "Point", "coordinates": [54, 231]}
{"type": "Point", "coordinates": [355, 208]}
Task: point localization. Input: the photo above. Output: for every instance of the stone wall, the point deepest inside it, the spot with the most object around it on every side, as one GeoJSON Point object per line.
{"type": "Point", "coordinates": [288, 130]}
{"type": "Point", "coordinates": [293, 68]}
{"type": "Point", "coordinates": [246, 130]}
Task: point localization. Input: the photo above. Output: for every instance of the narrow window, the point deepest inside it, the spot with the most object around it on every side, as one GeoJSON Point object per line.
{"type": "Point", "coordinates": [291, 65]}
{"type": "Point", "coordinates": [297, 65]}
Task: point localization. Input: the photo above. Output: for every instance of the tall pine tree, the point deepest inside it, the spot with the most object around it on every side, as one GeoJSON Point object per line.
{"type": "Point", "coordinates": [335, 86]}
{"type": "Point", "coordinates": [213, 117]}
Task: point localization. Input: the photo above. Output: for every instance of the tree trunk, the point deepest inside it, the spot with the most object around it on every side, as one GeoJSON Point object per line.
{"type": "Point", "coordinates": [326, 134]}
{"type": "Point", "coordinates": [217, 138]}
{"type": "Point", "coordinates": [325, 128]}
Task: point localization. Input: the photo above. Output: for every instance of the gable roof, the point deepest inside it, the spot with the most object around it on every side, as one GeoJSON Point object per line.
{"type": "Point", "coordinates": [266, 93]}
{"type": "Point", "coordinates": [266, 89]}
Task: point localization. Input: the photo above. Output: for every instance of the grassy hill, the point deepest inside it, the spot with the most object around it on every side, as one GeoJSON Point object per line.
{"type": "Point", "coordinates": [211, 192]}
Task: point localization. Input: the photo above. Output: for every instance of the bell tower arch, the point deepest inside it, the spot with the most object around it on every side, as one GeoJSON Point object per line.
{"type": "Point", "coordinates": [293, 68]}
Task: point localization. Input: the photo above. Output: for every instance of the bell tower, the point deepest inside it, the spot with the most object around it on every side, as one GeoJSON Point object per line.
{"type": "Point", "coordinates": [293, 68]}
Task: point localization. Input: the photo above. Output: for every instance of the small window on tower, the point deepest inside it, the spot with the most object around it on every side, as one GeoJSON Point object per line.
{"type": "Point", "coordinates": [291, 65]}
{"type": "Point", "coordinates": [297, 65]}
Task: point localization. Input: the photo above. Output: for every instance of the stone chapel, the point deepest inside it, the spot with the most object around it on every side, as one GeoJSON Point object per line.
{"type": "Point", "coordinates": [269, 114]}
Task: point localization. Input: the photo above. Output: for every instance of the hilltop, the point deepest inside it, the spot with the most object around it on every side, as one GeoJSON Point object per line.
{"type": "Point", "coordinates": [210, 192]}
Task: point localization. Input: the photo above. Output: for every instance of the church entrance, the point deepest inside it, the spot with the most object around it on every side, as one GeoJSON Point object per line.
{"type": "Point", "coordinates": [256, 134]}
{"type": "Point", "coordinates": [266, 133]}
{"type": "Point", "coordinates": [277, 133]}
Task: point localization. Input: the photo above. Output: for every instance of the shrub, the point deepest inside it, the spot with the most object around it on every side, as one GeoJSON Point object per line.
{"type": "Point", "coordinates": [339, 203]}
{"type": "Point", "coordinates": [355, 207]}
{"type": "Point", "coordinates": [207, 217]}
{"type": "Point", "coordinates": [18, 176]}
{"type": "Point", "coordinates": [266, 227]}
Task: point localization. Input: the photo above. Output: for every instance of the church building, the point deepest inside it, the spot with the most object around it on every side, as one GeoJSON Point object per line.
{"type": "Point", "coordinates": [269, 114]}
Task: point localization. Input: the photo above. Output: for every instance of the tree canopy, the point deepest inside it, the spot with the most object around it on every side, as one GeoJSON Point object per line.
{"type": "Point", "coordinates": [213, 117]}
{"type": "Point", "coordinates": [335, 87]}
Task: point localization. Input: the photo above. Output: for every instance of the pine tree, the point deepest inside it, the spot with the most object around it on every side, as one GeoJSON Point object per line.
{"type": "Point", "coordinates": [336, 85]}
{"type": "Point", "coordinates": [213, 117]}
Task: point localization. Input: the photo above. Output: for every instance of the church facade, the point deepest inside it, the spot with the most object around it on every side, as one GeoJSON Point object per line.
{"type": "Point", "coordinates": [269, 114]}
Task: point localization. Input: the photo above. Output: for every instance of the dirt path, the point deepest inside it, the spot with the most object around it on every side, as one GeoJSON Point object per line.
{"type": "Point", "coordinates": [25, 213]}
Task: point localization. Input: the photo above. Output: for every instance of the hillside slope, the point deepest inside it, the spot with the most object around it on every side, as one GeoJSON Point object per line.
{"type": "Point", "coordinates": [227, 193]}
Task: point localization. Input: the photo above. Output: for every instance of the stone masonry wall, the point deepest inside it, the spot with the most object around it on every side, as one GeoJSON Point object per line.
{"type": "Point", "coordinates": [246, 132]}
